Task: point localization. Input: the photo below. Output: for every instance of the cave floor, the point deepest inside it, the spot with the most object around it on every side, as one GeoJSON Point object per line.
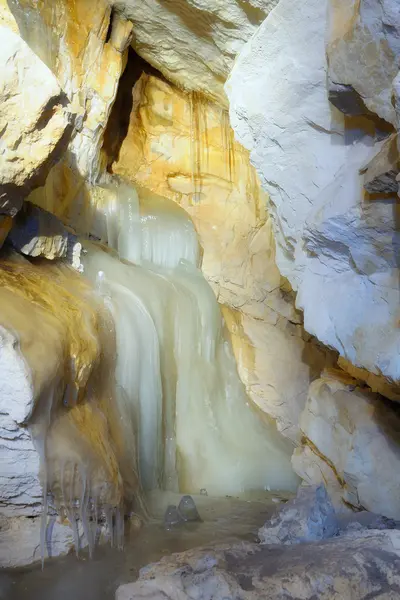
{"type": "Point", "coordinates": [228, 519]}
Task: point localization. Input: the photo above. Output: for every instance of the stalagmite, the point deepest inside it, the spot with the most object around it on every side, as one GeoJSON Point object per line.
{"type": "Point", "coordinates": [175, 364]}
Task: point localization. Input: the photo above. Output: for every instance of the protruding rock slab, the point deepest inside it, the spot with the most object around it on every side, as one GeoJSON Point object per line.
{"type": "Point", "coordinates": [199, 38]}
{"type": "Point", "coordinates": [307, 518]}
{"type": "Point", "coordinates": [35, 121]}
{"type": "Point", "coordinates": [364, 50]}
{"type": "Point", "coordinates": [381, 172]}
{"type": "Point", "coordinates": [39, 233]}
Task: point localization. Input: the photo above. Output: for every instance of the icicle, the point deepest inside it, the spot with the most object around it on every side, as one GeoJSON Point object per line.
{"type": "Point", "coordinates": [83, 510]}
{"type": "Point", "coordinates": [169, 330]}
{"type": "Point", "coordinates": [39, 430]}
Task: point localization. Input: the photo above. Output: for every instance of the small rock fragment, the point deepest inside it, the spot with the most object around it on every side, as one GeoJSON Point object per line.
{"type": "Point", "coordinates": [172, 517]}
{"type": "Point", "coordinates": [188, 510]}
{"type": "Point", "coordinates": [37, 232]}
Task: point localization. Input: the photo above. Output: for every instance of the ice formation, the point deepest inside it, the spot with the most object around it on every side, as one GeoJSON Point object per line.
{"type": "Point", "coordinates": [67, 395]}
{"type": "Point", "coordinates": [175, 367]}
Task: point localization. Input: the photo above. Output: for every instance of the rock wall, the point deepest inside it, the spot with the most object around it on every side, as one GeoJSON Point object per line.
{"type": "Point", "coordinates": [336, 244]}
{"type": "Point", "coordinates": [35, 127]}
{"type": "Point", "coordinates": [85, 45]}
{"type": "Point", "coordinates": [194, 42]}
{"type": "Point", "coordinates": [58, 428]}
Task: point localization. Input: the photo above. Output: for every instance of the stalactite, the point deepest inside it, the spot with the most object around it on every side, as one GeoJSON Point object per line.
{"type": "Point", "coordinates": [85, 464]}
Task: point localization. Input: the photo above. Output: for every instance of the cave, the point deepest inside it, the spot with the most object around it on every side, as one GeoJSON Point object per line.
{"type": "Point", "coordinates": [199, 299]}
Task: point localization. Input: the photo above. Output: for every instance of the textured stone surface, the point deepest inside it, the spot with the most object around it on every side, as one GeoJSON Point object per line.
{"type": "Point", "coordinates": [276, 362]}
{"type": "Point", "coordinates": [5, 226]}
{"type": "Point", "coordinates": [338, 249]}
{"type": "Point", "coordinates": [20, 489]}
{"type": "Point", "coordinates": [49, 317]}
{"type": "Point", "coordinates": [364, 50]}
{"type": "Point", "coordinates": [35, 121]}
{"type": "Point", "coordinates": [85, 46]}
{"type": "Point", "coordinates": [357, 565]}
{"type": "Point", "coordinates": [351, 442]}
{"type": "Point", "coordinates": [39, 233]}
{"type": "Point", "coordinates": [20, 540]}
{"type": "Point", "coordinates": [307, 518]}
{"type": "Point", "coordinates": [36, 232]}
{"type": "Point", "coordinates": [194, 42]}
{"type": "Point", "coordinates": [71, 39]}
{"type": "Point", "coordinates": [183, 149]}
{"type": "Point", "coordinates": [380, 174]}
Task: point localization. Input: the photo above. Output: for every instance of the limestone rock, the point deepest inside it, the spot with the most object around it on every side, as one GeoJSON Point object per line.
{"type": "Point", "coordinates": [357, 566]}
{"type": "Point", "coordinates": [375, 383]}
{"type": "Point", "coordinates": [37, 232]}
{"type": "Point", "coordinates": [48, 316]}
{"type": "Point", "coordinates": [35, 121]}
{"type": "Point", "coordinates": [381, 172]}
{"type": "Point", "coordinates": [337, 249]}
{"type": "Point", "coordinates": [73, 42]}
{"type": "Point", "coordinates": [307, 518]}
{"type": "Point", "coordinates": [20, 540]}
{"type": "Point", "coordinates": [85, 47]}
{"type": "Point", "coordinates": [364, 50]}
{"type": "Point", "coordinates": [20, 489]}
{"type": "Point", "coordinates": [194, 42]}
{"type": "Point", "coordinates": [276, 362]}
{"type": "Point", "coordinates": [352, 443]}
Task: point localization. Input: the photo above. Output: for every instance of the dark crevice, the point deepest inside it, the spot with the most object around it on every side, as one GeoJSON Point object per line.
{"type": "Point", "coordinates": [118, 122]}
{"type": "Point", "coordinates": [110, 26]}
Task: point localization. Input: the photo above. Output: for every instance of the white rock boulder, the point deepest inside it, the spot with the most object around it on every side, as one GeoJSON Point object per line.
{"type": "Point", "coordinates": [351, 442]}
{"type": "Point", "coordinates": [337, 248]}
